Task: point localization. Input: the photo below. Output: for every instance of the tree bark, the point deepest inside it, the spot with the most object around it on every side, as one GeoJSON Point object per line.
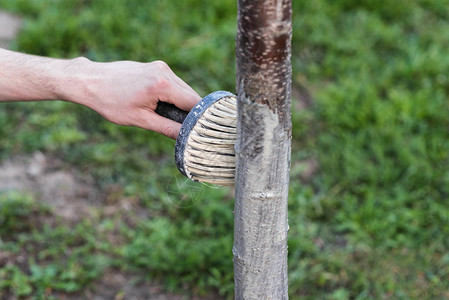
{"type": "Point", "coordinates": [263, 58]}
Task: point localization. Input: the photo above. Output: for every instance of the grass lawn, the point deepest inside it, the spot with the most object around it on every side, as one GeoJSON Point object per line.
{"type": "Point", "coordinates": [368, 205]}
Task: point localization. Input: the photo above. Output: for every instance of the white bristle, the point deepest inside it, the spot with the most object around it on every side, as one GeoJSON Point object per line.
{"type": "Point", "coordinates": [221, 170]}
{"type": "Point", "coordinates": [206, 123]}
{"type": "Point", "coordinates": [209, 155]}
{"type": "Point", "coordinates": [205, 140]}
{"type": "Point", "coordinates": [211, 148]}
{"type": "Point", "coordinates": [216, 111]}
{"type": "Point", "coordinates": [219, 120]}
{"type": "Point", "coordinates": [200, 153]}
{"type": "Point", "coordinates": [225, 108]}
{"type": "Point", "coordinates": [213, 172]}
{"type": "Point", "coordinates": [230, 102]}
{"type": "Point", "coordinates": [215, 133]}
{"type": "Point", "coordinates": [215, 180]}
{"type": "Point", "coordinates": [216, 160]}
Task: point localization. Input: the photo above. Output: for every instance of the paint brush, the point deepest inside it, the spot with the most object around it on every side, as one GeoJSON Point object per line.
{"type": "Point", "coordinates": [204, 149]}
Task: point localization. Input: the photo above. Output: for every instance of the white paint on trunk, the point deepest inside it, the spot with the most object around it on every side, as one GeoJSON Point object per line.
{"type": "Point", "coordinates": [262, 211]}
{"type": "Point", "coordinates": [270, 121]}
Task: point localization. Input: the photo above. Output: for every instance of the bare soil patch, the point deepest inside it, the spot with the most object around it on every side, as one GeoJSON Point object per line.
{"type": "Point", "coordinates": [48, 180]}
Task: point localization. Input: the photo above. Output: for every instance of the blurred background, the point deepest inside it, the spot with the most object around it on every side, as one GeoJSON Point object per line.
{"type": "Point", "coordinates": [92, 210]}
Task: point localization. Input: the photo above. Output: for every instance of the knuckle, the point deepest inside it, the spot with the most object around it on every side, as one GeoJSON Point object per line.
{"type": "Point", "coordinates": [161, 65]}
{"type": "Point", "coordinates": [161, 83]}
{"type": "Point", "coordinates": [168, 131]}
{"type": "Point", "coordinates": [80, 60]}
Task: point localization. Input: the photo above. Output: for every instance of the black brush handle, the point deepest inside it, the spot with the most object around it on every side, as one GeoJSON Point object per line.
{"type": "Point", "coordinates": [171, 112]}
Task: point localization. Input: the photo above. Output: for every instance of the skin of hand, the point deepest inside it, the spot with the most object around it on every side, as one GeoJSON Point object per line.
{"type": "Point", "coordinates": [124, 92]}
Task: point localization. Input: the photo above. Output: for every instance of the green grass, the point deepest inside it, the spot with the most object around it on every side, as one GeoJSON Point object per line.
{"type": "Point", "coordinates": [54, 256]}
{"type": "Point", "coordinates": [372, 223]}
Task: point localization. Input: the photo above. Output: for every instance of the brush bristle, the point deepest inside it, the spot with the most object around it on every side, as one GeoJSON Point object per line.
{"type": "Point", "coordinates": [209, 155]}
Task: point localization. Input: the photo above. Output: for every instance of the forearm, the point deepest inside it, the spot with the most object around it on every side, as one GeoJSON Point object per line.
{"type": "Point", "coordinates": [30, 78]}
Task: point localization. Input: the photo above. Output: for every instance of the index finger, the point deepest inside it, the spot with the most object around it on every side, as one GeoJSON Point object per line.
{"type": "Point", "coordinates": [178, 92]}
{"type": "Point", "coordinates": [191, 98]}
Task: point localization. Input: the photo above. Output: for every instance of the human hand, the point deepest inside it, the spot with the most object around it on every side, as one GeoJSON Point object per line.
{"type": "Point", "coordinates": [124, 92]}
{"type": "Point", "coordinates": [127, 93]}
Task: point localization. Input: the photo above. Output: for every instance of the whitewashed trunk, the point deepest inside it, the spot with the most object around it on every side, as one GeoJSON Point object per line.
{"type": "Point", "coordinates": [263, 52]}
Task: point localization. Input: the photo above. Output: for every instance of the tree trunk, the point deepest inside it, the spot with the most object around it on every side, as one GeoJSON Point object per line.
{"type": "Point", "coordinates": [263, 52]}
